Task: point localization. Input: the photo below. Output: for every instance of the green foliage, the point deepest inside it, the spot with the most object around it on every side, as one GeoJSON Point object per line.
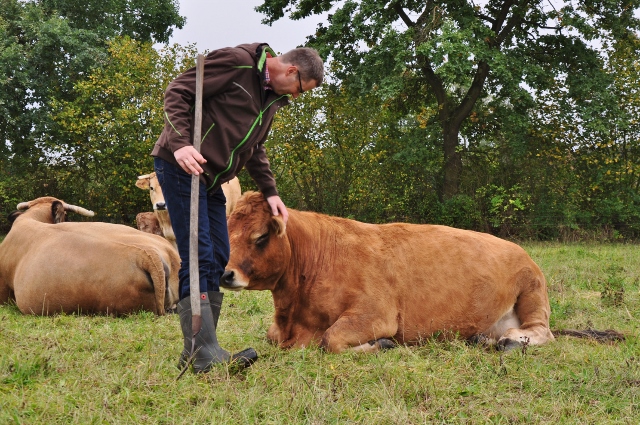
{"type": "Point", "coordinates": [325, 152]}
{"type": "Point", "coordinates": [549, 149]}
{"type": "Point", "coordinates": [459, 57]}
{"type": "Point", "coordinates": [505, 208]}
{"type": "Point", "coordinates": [104, 134]}
{"type": "Point", "coordinates": [111, 127]}
{"type": "Point", "coordinates": [46, 49]}
{"type": "Point", "coordinates": [142, 20]}
{"type": "Point", "coordinates": [459, 211]}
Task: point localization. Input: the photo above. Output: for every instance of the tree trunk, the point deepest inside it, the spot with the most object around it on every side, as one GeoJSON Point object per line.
{"type": "Point", "coordinates": [452, 163]}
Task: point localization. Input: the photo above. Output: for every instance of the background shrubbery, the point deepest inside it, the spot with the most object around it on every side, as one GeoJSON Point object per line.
{"type": "Point", "coordinates": [559, 160]}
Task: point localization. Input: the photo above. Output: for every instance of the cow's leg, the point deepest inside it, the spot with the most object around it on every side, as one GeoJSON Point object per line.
{"type": "Point", "coordinates": [533, 311]}
{"type": "Point", "coordinates": [6, 293]}
{"type": "Point", "coordinates": [374, 346]}
{"type": "Point", "coordinates": [363, 332]}
{"type": "Point", "coordinates": [291, 336]}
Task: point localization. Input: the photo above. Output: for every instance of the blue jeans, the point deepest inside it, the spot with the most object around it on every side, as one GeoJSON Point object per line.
{"type": "Point", "coordinates": [213, 237]}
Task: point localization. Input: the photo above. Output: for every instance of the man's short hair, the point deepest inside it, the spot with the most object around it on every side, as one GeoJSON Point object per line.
{"type": "Point", "coordinates": [308, 61]}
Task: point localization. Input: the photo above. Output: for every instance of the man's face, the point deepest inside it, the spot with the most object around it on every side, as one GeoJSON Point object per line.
{"type": "Point", "coordinates": [290, 82]}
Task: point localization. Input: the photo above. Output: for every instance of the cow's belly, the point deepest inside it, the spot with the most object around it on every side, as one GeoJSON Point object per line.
{"type": "Point", "coordinates": [507, 321]}
{"type": "Point", "coordinates": [456, 313]}
{"type": "Point", "coordinates": [82, 285]}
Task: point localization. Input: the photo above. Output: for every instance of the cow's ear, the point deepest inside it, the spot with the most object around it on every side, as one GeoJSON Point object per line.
{"type": "Point", "coordinates": [58, 213]}
{"type": "Point", "coordinates": [143, 183]}
{"type": "Point", "coordinates": [278, 226]}
{"type": "Point", "coordinates": [12, 216]}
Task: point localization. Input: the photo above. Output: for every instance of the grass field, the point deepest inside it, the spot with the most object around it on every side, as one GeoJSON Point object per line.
{"type": "Point", "coordinates": [71, 369]}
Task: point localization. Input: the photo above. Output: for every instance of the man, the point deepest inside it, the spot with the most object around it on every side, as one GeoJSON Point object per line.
{"type": "Point", "coordinates": [243, 88]}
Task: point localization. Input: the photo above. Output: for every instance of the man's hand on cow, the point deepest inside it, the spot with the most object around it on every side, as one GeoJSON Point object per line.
{"type": "Point", "coordinates": [189, 159]}
{"type": "Point", "coordinates": [278, 208]}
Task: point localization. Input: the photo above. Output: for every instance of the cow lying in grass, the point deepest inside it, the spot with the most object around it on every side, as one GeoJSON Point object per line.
{"type": "Point", "coordinates": [49, 266]}
{"type": "Point", "coordinates": [350, 285]}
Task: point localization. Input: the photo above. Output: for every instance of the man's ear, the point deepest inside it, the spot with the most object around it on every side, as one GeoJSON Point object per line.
{"type": "Point", "coordinates": [291, 69]}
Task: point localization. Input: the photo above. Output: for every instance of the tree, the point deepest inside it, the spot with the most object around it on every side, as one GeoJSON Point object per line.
{"type": "Point", "coordinates": [46, 47]}
{"type": "Point", "coordinates": [141, 20]}
{"type": "Point", "coordinates": [324, 150]}
{"type": "Point", "coordinates": [111, 124]}
{"type": "Point", "coordinates": [459, 54]}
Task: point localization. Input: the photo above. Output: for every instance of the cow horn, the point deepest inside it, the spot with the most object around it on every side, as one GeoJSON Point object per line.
{"type": "Point", "coordinates": [22, 206]}
{"type": "Point", "coordinates": [145, 176]}
{"type": "Point", "coordinates": [79, 210]}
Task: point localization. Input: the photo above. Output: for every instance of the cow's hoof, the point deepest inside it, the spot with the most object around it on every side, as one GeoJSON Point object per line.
{"type": "Point", "coordinates": [383, 343]}
{"type": "Point", "coordinates": [386, 344]}
{"type": "Point", "coordinates": [507, 344]}
{"type": "Point", "coordinates": [478, 339]}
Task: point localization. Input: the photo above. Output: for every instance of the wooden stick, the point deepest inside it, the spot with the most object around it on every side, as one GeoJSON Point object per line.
{"type": "Point", "coordinates": [194, 266]}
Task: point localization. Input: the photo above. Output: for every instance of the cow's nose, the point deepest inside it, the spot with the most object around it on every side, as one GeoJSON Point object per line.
{"type": "Point", "coordinates": [227, 279]}
{"type": "Point", "coordinates": [161, 206]}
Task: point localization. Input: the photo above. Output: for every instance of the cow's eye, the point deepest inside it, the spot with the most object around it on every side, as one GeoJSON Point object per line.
{"type": "Point", "coordinates": [262, 241]}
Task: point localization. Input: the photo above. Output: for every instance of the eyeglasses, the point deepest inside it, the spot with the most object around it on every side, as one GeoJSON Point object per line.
{"type": "Point", "coordinates": [300, 82]}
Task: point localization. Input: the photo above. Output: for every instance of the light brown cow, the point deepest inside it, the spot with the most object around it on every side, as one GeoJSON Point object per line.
{"type": "Point", "coordinates": [150, 182]}
{"type": "Point", "coordinates": [350, 285]}
{"type": "Point", "coordinates": [148, 223]}
{"type": "Point", "coordinates": [50, 266]}
{"type": "Point", "coordinates": [231, 189]}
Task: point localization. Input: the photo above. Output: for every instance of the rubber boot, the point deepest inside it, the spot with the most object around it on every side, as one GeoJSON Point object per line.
{"type": "Point", "coordinates": [244, 358]}
{"type": "Point", "coordinates": [215, 301]}
{"type": "Point", "coordinates": [209, 351]}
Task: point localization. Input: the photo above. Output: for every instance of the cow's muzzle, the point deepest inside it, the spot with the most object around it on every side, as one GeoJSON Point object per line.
{"type": "Point", "coordinates": [161, 206]}
{"type": "Point", "coordinates": [228, 281]}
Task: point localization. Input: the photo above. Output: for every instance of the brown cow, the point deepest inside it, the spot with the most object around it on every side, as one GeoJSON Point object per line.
{"type": "Point", "coordinates": [49, 266]}
{"type": "Point", "coordinates": [150, 182]}
{"type": "Point", "coordinates": [350, 285]}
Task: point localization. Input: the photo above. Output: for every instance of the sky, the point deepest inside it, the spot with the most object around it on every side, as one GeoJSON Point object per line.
{"type": "Point", "coordinates": [212, 24]}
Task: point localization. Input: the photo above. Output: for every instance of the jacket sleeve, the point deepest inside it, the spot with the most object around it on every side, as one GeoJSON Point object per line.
{"type": "Point", "coordinates": [180, 95]}
{"type": "Point", "coordinates": [260, 170]}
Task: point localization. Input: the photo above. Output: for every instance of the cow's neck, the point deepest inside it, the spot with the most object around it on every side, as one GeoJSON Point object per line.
{"type": "Point", "coordinates": [305, 236]}
{"type": "Point", "coordinates": [313, 240]}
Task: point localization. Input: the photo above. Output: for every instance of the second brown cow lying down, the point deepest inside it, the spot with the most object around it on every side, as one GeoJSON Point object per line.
{"type": "Point", "coordinates": [48, 265]}
{"type": "Point", "coordinates": [348, 285]}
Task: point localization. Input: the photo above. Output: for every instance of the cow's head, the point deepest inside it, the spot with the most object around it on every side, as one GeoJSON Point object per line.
{"type": "Point", "coordinates": [260, 250]}
{"type": "Point", "coordinates": [47, 210]}
{"type": "Point", "coordinates": [150, 182]}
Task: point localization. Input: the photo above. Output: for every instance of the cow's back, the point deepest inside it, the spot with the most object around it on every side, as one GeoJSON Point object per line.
{"type": "Point", "coordinates": [232, 192]}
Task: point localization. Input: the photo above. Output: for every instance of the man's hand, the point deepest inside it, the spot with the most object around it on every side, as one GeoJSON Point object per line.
{"type": "Point", "coordinates": [278, 208]}
{"type": "Point", "coordinates": [189, 159]}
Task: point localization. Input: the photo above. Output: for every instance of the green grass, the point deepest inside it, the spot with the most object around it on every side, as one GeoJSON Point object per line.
{"type": "Point", "coordinates": [100, 370]}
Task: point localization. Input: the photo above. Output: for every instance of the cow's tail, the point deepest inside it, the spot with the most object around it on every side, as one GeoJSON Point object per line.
{"type": "Point", "coordinates": [152, 262]}
{"type": "Point", "coordinates": [606, 336]}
